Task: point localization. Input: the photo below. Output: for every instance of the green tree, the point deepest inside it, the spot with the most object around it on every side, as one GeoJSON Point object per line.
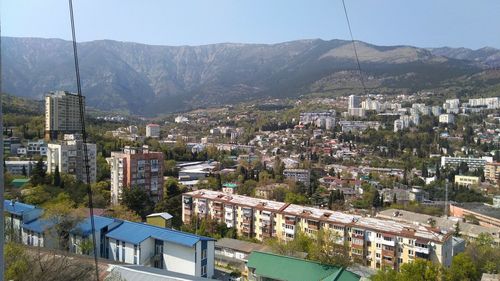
{"type": "Point", "coordinates": [38, 174]}
{"type": "Point", "coordinates": [56, 178]}
{"type": "Point", "coordinates": [137, 200]}
{"type": "Point", "coordinates": [457, 233]}
{"type": "Point", "coordinates": [462, 269]}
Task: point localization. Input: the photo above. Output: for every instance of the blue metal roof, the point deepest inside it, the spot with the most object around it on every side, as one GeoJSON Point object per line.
{"type": "Point", "coordinates": [17, 208]}
{"type": "Point", "coordinates": [135, 233]}
{"type": "Point", "coordinates": [84, 228]}
{"type": "Point", "coordinates": [38, 226]}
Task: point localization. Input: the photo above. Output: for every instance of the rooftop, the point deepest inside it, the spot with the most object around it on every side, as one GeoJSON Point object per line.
{"type": "Point", "coordinates": [164, 215]}
{"type": "Point", "coordinates": [84, 228]}
{"type": "Point", "coordinates": [240, 245]}
{"type": "Point", "coordinates": [480, 208]}
{"type": "Point", "coordinates": [38, 226]}
{"type": "Point", "coordinates": [146, 273]}
{"type": "Point", "coordinates": [294, 269]}
{"type": "Point", "coordinates": [18, 183]}
{"type": "Point", "coordinates": [17, 208]}
{"type": "Point", "coordinates": [135, 233]}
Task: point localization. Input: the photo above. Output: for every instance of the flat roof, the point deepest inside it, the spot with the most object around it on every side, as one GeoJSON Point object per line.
{"type": "Point", "coordinates": [481, 208]}
{"type": "Point", "coordinates": [240, 245]}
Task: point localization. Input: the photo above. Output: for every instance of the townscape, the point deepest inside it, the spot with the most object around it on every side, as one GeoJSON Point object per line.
{"type": "Point", "coordinates": [250, 140]}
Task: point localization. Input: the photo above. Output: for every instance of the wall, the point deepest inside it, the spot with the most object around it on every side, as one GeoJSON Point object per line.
{"type": "Point", "coordinates": [180, 259]}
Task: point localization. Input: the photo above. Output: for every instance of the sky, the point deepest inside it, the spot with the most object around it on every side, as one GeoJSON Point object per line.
{"type": "Point", "coordinates": [423, 23]}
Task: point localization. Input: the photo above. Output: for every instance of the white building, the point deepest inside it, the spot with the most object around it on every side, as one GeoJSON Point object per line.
{"type": "Point", "coordinates": [62, 114]}
{"type": "Point", "coordinates": [490, 103]}
{"type": "Point", "coordinates": [16, 167]}
{"type": "Point", "coordinates": [472, 163]}
{"type": "Point", "coordinates": [436, 110]}
{"type": "Point", "coordinates": [452, 106]}
{"type": "Point", "coordinates": [181, 119]}
{"type": "Point", "coordinates": [37, 148]}
{"type": "Point", "coordinates": [354, 102]}
{"type": "Point", "coordinates": [447, 118]}
{"type": "Point", "coordinates": [68, 156]}
{"type": "Point", "coordinates": [153, 130]}
{"type": "Point", "coordinates": [370, 104]}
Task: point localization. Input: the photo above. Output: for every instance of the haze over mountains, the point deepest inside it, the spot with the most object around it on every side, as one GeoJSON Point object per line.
{"type": "Point", "coordinates": [148, 80]}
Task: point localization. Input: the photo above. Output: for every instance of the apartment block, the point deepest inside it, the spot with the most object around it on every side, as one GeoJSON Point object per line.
{"type": "Point", "coordinates": [372, 242]}
{"type": "Point", "coordinates": [299, 175]}
{"type": "Point", "coordinates": [472, 163]}
{"type": "Point", "coordinates": [492, 171]}
{"type": "Point", "coordinates": [153, 130]}
{"type": "Point", "coordinates": [62, 114]}
{"type": "Point", "coordinates": [466, 180]}
{"type": "Point", "coordinates": [136, 167]}
{"type": "Point", "coordinates": [447, 118]}
{"type": "Point", "coordinates": [69, 157]}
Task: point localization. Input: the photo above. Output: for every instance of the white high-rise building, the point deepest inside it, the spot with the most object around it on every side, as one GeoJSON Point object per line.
{"type": "Point", "coordinates": [447, 118]}
{"type": "Point", "coordinates": [68, 156]}
{"type": "Point", "coordinates": [354, 102]}
{"type": "Point", "coordinates": [153, 130]}
{"type": "Point", "coordinates": [62, 114]}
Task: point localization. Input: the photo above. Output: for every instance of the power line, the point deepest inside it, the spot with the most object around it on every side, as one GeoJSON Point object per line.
{"type": "Point", "coordinates": [2, 187]}
{"type": "Point", "coordinates": [84, 137]}
{"type": "Point", "coordinates": [355, 50]}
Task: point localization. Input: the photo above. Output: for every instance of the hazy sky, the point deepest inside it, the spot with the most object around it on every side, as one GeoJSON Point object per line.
{"type": "Point", "coordinates": [423, 23]}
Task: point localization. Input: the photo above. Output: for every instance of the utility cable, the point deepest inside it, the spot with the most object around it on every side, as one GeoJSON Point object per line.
{"type": "Point", "coordinates": [84, 138]}
{"type": "Point", "coordinates": [355, 50]}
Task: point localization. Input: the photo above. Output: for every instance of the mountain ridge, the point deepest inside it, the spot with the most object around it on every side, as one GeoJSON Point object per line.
{"type": "Point", "coordinates": [153, 79]}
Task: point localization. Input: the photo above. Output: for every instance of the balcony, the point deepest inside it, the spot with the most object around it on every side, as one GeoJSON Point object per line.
{"type": "Point", "coordinates": [290, 231]}
{"type": "Point", "coordinates": [217, 207]}
{"type": "Point", "coordinates": [388, 253]}
{"type": "Point", "coordinates": [247, 220]}
{"type": "Point", "coordinates": [422, 250]}
{"type": "Point", "coordinates": [290, 221]}
{"type": "Point", "coordinates": [187, 211]}
{"type": "Point", "coordinates": [357, 235]}
{"type": "Point", "coordinates": [313, 226]}
{"type": "Point", "coordinates": [391, 243]}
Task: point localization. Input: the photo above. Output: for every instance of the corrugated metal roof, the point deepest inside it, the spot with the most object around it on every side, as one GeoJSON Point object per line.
{"type": "Point", "coordinates": [17, 208]}
{"type": "Point", "coordinates": [84, 228]}
{"type": "Point", "coordinates": [144, 273]}
{"type": "Point", "coordinates": [164, 215]}
{"type": "Point", "coordinates": [135, 233]}
{"type": "Point", "coordinates": [294, 269]}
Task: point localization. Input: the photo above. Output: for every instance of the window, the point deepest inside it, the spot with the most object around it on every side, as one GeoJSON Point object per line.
{"type": "Point", "coordinates": [400, 240]}
{"type": "Point", "coordinates": [123, 251]}
{"type": "Point", "coordinates": [400, 260]}
{"type": "Point", "coordinates": [203, 254]}
{"type": "Point", "coordinates": [117, 250]}
{"type": "Point", "coordinates": [379, 235]}
{"type": "Point", "coordinates": [410, 252]}
{"type": "Point", "coordinates": [203, 270]}
{"type": "Point", "coordinates": [378, 245]}
{"type": "Point", "coordinates": [400, 250]}
{"type": "Point", "coordinates": [135, 254]}
{"type": "Point", "coordinates": [410, 242]}
{"type": "Point", "coordinates": [377, 255]}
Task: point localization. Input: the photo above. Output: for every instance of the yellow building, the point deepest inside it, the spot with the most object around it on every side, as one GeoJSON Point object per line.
{"type": "Point", "coordinates": [160, 219]}
{"type": "Point", "coordinates": [466, 180]}
{"type": "Point", "coordinates": [371, 241]}
{"type": "Point", "coordinates": [492, 171]}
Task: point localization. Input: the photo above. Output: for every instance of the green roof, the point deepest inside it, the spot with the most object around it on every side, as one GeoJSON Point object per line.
{"type": "Point", "coordinates": [18, 183]}
{"type": "Point", "coordinates": [230, 185]}
{"type": "Point", "coordinates": [293, 269]}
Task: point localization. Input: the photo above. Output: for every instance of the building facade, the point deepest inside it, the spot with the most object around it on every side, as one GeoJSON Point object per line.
{"type": "Point", "coordinates": [492, 172]}
{"type": "Point", "coordinates": [152, 130]}
{"type": "Point", "coordinates": [62, 114]}
{"type": "Point", "coordinates": [136, 167]}
{"type": "Point", "coordinates": [69, 157]}
{"type": "Point", "coordinates": [299, 175]}
{"type": "Point", "coordinates": [472, 163]}
{"type": "Point", "coordinates": [372, 242]}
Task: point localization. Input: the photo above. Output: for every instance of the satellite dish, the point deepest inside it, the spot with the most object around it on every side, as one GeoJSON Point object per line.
{"type": "Point", "coordinates": [432, 244]}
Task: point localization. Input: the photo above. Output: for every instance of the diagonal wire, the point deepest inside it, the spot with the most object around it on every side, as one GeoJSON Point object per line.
{"type": "Point", "coordinates": [355, 50]}
{"type": "Point", "coordinates": [2, 187]}
{"type": "Point", "coordinates": [84, 137]}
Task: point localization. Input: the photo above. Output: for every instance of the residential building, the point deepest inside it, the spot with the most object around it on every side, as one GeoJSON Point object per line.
{"type": "Point", "coordinates": [235, 252]}
{"type": "Point", "coordinates": [486, 215]}
{"type": "Point", "coordinates": [271, 267]}
{"type": "Point", "coordinates": [298, 175]}
{"type": "Point", "coordinates": [354, 102]}
{"type": "Point", "coordinates": [370, 104]}
{"type": "Point", "coordinates": [181, 119]}
{"type": "Point", "coordinates": [69, 157]}
{"type": "Point", "coordinates": [324, 120]}
{"type": "Point", "coordinates": [467, 230]}
{"type": "Point", "coordinates": [373, 242]}
{"type": "Point", "coordinates": [117, 240]}
{"type": "Point", "coordinates": [152, 130]}
{"type": "Point", "coordinates": [10, 145]}
{"type": "Point", "coordinates": [436, 110]}
{"type": "Point", "coordinates": [492, 171]}
{"type": "Point", "coordinates": [357, 126]}
{"type": "Point", "coordinates": [466, 180]}
{"type": "Point", "coordinates": [452, 106]}
{"type": "Point", "coordinates": [472, 163]}
{"type": "Point", "coordinates": [196, 170]}
{"type": "Point", "coordinates": [447, 118]}
{"type": "Point", "coordinates": [136, 167]}
{"type": "Point", "coordinates": [37, 148]}
{"type": "Point", "coordinates": [62, 114]}
{"type": "Point", "coordinates": [16, 167]}
{"type": "Point", "coordinates": [490, 103]}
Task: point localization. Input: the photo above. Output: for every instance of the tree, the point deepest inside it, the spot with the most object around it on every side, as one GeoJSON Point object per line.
{"type": "Point", "coordinates": [56, 177]}
{"type": "Point", "coordinates": [462, 269]}
{"type": "Point", "coordinates": [38, 174]}
{"type": "Point", "coordinates": [24, 173]}
{"type": "Point", "coordinates": [137, 200]}
{"type": "Point", "coordinates": [123, 213]}
{"type": "Point", "coordinates": [376, 199]}
{"type": "Point", "coordinates": [425, 172]}
{"type": "Point", "coordinates": [456, 233]}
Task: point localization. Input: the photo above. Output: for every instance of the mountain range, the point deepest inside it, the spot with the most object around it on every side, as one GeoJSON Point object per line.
{"type": "Point", "coordinates": [150, 79]}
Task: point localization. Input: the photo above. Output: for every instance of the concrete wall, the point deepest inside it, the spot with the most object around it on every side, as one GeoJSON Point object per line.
{"type": "Point", "coordinates": [181, 259]}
